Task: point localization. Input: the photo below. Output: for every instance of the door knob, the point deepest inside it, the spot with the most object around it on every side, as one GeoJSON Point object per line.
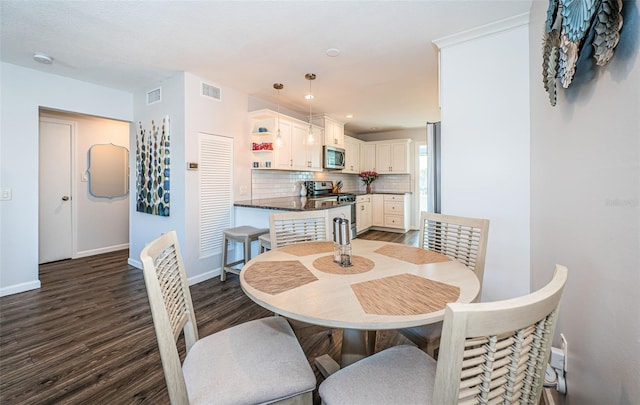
{"type": "Point", "coordinates": [65, 198]}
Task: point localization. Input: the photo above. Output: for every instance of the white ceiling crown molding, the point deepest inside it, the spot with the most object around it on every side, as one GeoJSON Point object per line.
{"type": "Point", "coordinates": [484, 30]}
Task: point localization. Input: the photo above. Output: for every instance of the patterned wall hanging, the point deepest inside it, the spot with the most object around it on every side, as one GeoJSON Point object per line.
{"type": "Point", "coordinates": [152, 169]}
{"type": "Point", "coordinates": [571, 25]}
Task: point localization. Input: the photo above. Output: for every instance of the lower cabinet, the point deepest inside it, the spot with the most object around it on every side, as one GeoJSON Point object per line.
{"type": "Point", "coordinates": [377, 213]}
{"type": "Point", "coordinates": [363, 213]}
{"type": "Point", "coordinates": [391, 211]}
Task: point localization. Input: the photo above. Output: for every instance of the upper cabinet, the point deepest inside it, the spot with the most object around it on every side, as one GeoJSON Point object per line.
{"type": "Point", "coordinates": [333, 132]}
{"type": "Point", "coordinates": [352, 155]}
{"type": "Point", "coordinates": [386, 157]}
{"type": "Point", "coordinates": [292, 150]}
{"type": "Point", "coordinates": [306, 154]}
{"type": "Point", "coordinates": [367, 156]}
{"type": "Point", "coordinates": [393, 157]}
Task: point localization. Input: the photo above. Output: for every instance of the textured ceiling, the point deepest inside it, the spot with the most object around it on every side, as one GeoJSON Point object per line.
{"type": "Point", "coordinates": [385, 75]}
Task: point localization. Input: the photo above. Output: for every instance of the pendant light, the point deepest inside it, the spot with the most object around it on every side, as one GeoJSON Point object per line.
{"type": "Point", "coordinates": [278, 87]}
{"type": "Point", "coordinates": [310, 77]}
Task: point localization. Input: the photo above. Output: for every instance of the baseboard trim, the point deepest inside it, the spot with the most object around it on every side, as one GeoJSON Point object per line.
{"type": "Point", "coordinates": [204, 276]}
{"type": "Point", "coordinates": [191, 280]}
{"type": "Point", "coordinates": [108, 249]}
{"type": "Point", "coordinates": [18, 288]}
{"type": "Point", "coordinates": [547, 397]}
{"type": "Point", "coordinates": [135, 263]}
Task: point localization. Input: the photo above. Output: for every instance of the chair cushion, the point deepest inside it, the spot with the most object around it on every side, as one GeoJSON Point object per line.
{"type": "Point", "coordinates": [245, 231]}
{"type": "Point", "coordinates": [255, 362]}
{"type": "Point", "coordinates": [398, 375]}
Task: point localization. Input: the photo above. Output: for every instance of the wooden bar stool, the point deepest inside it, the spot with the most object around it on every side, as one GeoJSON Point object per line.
{"type": "Point", "coordinates": [265, 242]}
{"type": "Point", "coordinates": [241, 234]}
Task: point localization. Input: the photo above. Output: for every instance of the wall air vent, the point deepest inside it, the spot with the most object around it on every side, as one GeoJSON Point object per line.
{"type": "Point", "coordinates": [154, 96]}
{"type": "Point", "coordinates": [211, 91]}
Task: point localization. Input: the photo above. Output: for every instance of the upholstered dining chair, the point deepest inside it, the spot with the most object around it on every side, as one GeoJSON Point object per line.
{"type": "Point", "coordinates": [287, 228]}
{"type": "Point", "coordinates": [461, 238]}
{"type": "Point", "coordinates": [259, 361]}
{"type": "Point", "coordinates": [493, 352]}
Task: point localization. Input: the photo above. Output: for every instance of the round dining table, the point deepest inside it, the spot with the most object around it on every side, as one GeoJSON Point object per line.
{"type": "Point", "coordinates": [388, 286]}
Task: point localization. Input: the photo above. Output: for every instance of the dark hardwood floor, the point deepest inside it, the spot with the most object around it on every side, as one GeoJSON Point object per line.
{"type": "Point", "coordinates": [86, 336]}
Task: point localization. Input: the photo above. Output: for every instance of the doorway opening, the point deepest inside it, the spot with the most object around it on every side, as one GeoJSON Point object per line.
{"type": "Point", "coordinates": [73, 223]}
{"type": "Point", "coordinates": [421, 184]}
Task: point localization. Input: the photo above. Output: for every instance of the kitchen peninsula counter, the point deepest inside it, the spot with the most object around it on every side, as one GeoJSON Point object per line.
{"type": "Point", "coordinates": [292, 204]}
{"type": "Point", "coordinates": [256, 212]}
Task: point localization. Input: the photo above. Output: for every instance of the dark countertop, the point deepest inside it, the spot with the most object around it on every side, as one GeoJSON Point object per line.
{"type": "Point", "coordinates": [383, 192]}
{"type": "Point", "coordinates": [291, 204]}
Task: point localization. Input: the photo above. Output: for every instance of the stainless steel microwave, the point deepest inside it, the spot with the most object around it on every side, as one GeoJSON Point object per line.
{"type": "Point", "coordinates": [333, 158]}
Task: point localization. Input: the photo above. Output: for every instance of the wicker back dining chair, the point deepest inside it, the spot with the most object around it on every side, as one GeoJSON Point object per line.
{"type": "Point", "coordinates": [493, 352]}
{"type": "Point", "coordinates": [259, 361]}
{"type": "Point", "coordinates": [461, 238]}
{"type": "Point", "coordinates": [291, 227]}
{"type": "Point", "coordinates": [287, 228]}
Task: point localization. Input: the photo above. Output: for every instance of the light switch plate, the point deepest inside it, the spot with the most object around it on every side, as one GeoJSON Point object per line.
{"type": "Point", "coordinates": [5, 194]}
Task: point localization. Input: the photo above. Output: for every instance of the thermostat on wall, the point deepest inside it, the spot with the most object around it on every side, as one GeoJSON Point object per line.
{"type": "Point", "coordinates": [192, 165]}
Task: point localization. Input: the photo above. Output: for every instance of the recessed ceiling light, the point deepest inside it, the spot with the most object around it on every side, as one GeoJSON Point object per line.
{"type": "Point", "coordinates": [42, 58]}
{"type": "Point", "coordinates": [349, 116]}
{"type": "Point", "coordinates": [333, 52]}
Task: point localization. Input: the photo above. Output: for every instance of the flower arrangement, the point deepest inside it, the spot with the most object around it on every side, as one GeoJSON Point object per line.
{"type": "Point", "coordinates": [368, 177]}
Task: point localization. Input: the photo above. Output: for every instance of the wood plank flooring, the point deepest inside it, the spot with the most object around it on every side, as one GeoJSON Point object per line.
{"type": "Point", "coordinates": [86, 336]}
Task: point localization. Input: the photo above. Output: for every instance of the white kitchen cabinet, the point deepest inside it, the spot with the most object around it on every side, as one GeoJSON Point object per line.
{"type": "Point", "coordinates": [282, 152]}
{"type": "Point", "coordinates": [363, 213]}
{"type": "Point", "coordinates": [315, 151]}
{"type": "Point", "coordinates": [262, 142]}
{"type": "Point", "coordinates": [333, 132]}
{"type": "Point", "coordinates": [396, 211]}
{"type": "Point", "coordinates": [377, 210]}
{"type": "Point", "coordinates": [393, 157]}
{"type": "Point", "coordinates": [293, 152]}
{"type": "Point", "coordinates": [305, 156]}
{"type": "Point", "coordinates": [352, 155]}
{"type": "Point", "coordinates": [367, 156]}
{"type": "Point", "coordinates": [390, 212]}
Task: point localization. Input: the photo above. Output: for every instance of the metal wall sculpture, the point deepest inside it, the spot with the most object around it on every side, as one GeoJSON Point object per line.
{"type": "Point", "coordinates": [571, 25]}
{"type": "Point", "coordinates": [152, 169]}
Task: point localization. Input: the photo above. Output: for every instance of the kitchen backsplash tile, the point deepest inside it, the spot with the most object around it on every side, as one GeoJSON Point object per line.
{"type": "Point", "coordinates": [392, 183]}
{"type": "Point", "coordinates": [275, 183]}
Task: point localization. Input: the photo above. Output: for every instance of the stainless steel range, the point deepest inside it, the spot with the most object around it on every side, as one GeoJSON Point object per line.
{"type": "Point", "coordinates": [321, 192]}
{"type": "Point", "coordinates": [324, 189]}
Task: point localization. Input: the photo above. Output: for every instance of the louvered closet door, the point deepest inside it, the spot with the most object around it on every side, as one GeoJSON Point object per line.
{"type": "Point", "coordinates": [216, 185]}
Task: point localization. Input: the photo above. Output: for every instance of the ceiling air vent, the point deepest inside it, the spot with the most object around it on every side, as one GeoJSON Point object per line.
{"type": "Point", "coordinates": [211, 91]}
{"type": "Point", "coordinates": [154, 96]}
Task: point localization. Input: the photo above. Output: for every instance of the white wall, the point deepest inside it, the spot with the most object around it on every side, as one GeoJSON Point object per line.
{"type": "Point", "coordinates": [485, 145]}
{"type": "Point", "coordinates": [146, 227]}
{"type": "Point", "coordinates": [102, 224]}
{"type": "Point", "coordinates": [190, 114]}
{"type": "Point", "coordinates": [585, 212]}
{"type": "Point", "coordinates": [23, 92]}
{"type": "Point", "coordinates": [227, 118]}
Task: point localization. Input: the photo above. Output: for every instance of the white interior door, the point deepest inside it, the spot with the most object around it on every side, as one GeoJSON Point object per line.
{"type": "Point", "coordinates": [55, 240]}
